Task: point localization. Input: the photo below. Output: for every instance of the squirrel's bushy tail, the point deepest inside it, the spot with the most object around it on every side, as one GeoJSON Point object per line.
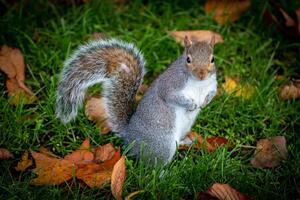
{"type": "Point", "coordinates": [116, 64]}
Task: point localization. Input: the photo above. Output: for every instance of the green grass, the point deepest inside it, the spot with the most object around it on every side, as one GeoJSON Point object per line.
{"type": "Point", "coordinates": [252, 50]}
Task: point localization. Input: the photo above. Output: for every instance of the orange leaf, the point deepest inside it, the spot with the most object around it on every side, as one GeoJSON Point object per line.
{"type": "Point", "coordinates": [24, 163]}
{"type": "Point", "coordinates": [269, 152]}
{"type": "Point", "coordinates": [196, 35]}
{"type": "Point", "coordinates": [82, 155]}
{"type": "Point", "coordinates": [109, 164]}
{"type": "Point", "coordinates": [95, 111]}
{"type": "Point", "coordinates": [6, 65]}
{"type": "Point", "coordinates": [85, 144]}
{"type": "Point", "coordinates": [105, 152]}
{"type": "Point", "coordinates": [118, 178]}
{"type": "Point", "coordinates": [216, 142]}
{"type": "Point", "coordinates": [226, 10]}
{"type": "Point", "coordinates": [51, 171]}
{"type": "Point", "coordinates": [289, 22]}
{"type": "Point", "coordinates": [226, 192]}
{"type": "Point", "coordinates": [5, 154]}
{"type": "Point", "coordinates": [94, 175]}
{"type": "Point", "coordinates": [96, 179]}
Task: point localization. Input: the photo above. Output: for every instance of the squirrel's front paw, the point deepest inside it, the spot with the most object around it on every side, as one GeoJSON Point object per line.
{"type": "Point", "coordinates": [192, 106]}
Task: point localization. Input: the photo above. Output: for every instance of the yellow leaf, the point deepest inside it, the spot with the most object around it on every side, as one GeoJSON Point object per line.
{"type": "Point", "coordinates": [24, 163]}
{"type": "Point", "coordinates": [231, 86]}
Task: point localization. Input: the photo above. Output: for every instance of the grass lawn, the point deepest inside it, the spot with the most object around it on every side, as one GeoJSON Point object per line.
{"type": "Point", "coordinates": [47, 33]}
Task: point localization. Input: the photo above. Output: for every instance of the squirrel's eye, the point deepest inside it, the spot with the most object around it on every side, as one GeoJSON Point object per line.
{"type": "Point", "coordinates": [188, 59]}
{"type": "Point", "coordinates": [212, 59]}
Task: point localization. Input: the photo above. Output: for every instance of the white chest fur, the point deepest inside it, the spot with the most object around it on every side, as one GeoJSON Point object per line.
{"type": "Point", "coordinates": [197, 91]}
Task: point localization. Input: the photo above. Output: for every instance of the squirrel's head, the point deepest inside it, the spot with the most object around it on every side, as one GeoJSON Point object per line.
{"type": "Point", "coordinates": [199, 58]}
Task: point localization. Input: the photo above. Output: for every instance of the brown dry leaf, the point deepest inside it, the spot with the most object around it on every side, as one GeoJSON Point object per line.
{"type": "Point", "coordinates": [105, 152]}
{"type": "Point", "coordinates": [298, 19]}
{"type": "Point", "coordinates": [82, 155]}
{"type": "Point", "coordinates": [12, 64]}
{"type": "Point", "coordinates": [210, 144]}
{"type": "Point", "coordinates": [196, 35]}
{"type": "Point", "coordinates": [95, 111]}
{"type": "Point", "coordinates": [17, 94]}
{"type": "Point", "coordinates": [24, 163]}
{"type": "Point", "coordinates": [232, 86]}
{"type": "Point", "coordinates": [269, 152]}
{"type": "Point", "coordinates": [290, 90]}
{"type": "Point", "coordinates": [226, 10]}
{"type": "Point", "coordinates": [51, 171]}
{"type": "Point", "coordinates": [226, 192]}
{"type": "Point", "coordinates": [118, 178]}
{"type": "Point", "coordinates": [5, 154]}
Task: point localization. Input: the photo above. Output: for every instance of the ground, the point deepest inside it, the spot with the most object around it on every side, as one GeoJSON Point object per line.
{"type": "Point", "coordinates": [47, 33]}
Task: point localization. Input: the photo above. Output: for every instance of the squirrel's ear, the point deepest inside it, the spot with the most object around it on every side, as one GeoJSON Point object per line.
{"type": "Point", "coordinates": [187, 42]}
{"type": "Point", "coordinates": [212, 41]}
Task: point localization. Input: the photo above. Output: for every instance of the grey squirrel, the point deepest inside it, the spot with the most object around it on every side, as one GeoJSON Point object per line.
{"type": "Point", "coordinates": [168, 109]}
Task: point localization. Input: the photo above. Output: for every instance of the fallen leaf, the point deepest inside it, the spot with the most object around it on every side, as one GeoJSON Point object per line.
{"type": "Point", "coordinates": [232, 86]}
{"type": "Point", "coordinates": [82, 164]}
{"type": "Point", "coordinates": [5, 154]}
{"type": "Point", "coordinates": [288, 20]}
{"type": "Point", "coordinates": [210, 144]}
{"type": "Point", "coordinates": [275, 14]}
{"type": "Point", "coordinates": [105, 152]}
{"type": "Point", "coordinates": [109, 164]}
{"type": "Point", "coordinates": [196, 35]}
{"type": "Point", "coordinates": [51, 171]}
{"type": "Point", "coordinates": [133, 194]}
{"type": "Point", "coordinates": [82, 155]}
{"type": "Point", "coordinates": [215, 142]}
{"type": "Point", "coordinates": [94, 174]}
{"type": "Point", "coordinates": [12, 64]}
{"type": "Point", "coordinates": [95, 111]}
{"type": "Point", "coordinates": [24, 163]}
{"type": "Point", "coordinates": [45, 151]}
{"type": "Point", "coordinates": [226, 192]}
{"type": "Point", "coordinates": [298, 19]}
{"type": "Point", "coordinates": [96, 179]}
{"type": "Point", "coordinates": [226, 10]}
{"type": "Point", "coordinates": [290, 90]}
{"type": "Point", "coordinates": [118, 178]}
{"type": "Point", "coordinates": [269, 152]}
{"type": "Point", "coordinates": [17, 95]}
